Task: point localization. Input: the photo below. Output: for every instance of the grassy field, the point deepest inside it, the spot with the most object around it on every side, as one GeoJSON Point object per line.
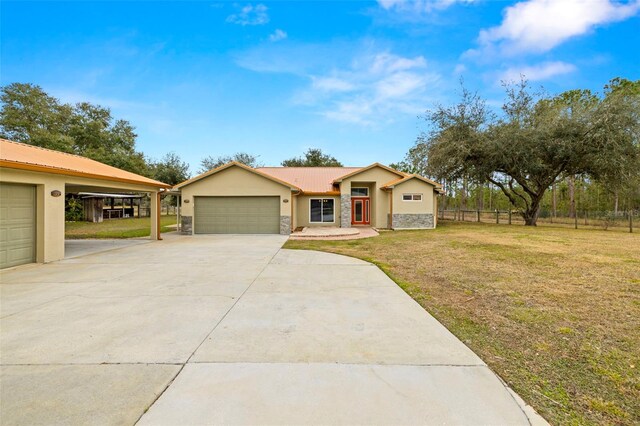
{"type": "Point", "coordinates": [116, 228]}
{"type": "Point", "coordinates": [555, 312]}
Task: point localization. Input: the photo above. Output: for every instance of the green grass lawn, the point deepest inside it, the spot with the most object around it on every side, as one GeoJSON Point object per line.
{"type": "Point", "coordinates": [555, 312]}
{"type": "Point", "coordinates": [116, 228]}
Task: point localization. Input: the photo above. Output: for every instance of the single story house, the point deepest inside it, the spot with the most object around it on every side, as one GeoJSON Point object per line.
{"type": "Point", "coordinates": [33, 184]}
{"type": "Point", "coordinates": [235, 198]}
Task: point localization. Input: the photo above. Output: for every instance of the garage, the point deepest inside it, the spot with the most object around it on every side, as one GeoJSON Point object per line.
{"type": "Point", "coordinates": [237, 215]}
{"type": "Point", "coordinates": [17, 224]}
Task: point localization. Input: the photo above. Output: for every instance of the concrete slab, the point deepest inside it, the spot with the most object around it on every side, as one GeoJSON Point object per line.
{"type": "Point", "coordinates": [87, 329]}
{"type": "Point", "coordinates": [76, 248]}
{"type": "Point", "coordinates": [80, 394]}
{"type": "Point", "coordinates": [308, 257]}
{"type": "Point", "coordinates": [334, 394]}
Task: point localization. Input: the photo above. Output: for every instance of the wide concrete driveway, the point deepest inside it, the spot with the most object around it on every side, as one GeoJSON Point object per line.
{"type": "Point", "coordinates": [234, 330]}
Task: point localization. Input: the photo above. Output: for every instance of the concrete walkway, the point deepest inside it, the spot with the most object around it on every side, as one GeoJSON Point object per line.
{"type": "Point", "coordinates": [234, 330]}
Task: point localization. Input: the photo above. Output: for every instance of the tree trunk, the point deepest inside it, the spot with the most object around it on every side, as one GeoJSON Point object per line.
{"type": "Point", "coordinates": [554, 201]}
{"type": "Point", "coordinates": [530, 215]}
{"type": "Point", "coordinates": [572, 196]}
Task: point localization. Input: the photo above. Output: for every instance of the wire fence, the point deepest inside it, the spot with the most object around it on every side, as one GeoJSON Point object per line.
{"type": "Point", "coordinates": [623, 221]}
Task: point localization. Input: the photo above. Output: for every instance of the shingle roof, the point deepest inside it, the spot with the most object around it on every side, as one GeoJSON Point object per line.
{"type": "Point", "coordinates": [310, 179]}
{"type": "Point", "coordinates": [23, 156]}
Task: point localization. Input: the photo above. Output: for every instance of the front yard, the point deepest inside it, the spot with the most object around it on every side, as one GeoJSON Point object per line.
{"type": "Point", "coordinates": [116, 228]}
{"type": "Point", "coordinates": [555, 312]}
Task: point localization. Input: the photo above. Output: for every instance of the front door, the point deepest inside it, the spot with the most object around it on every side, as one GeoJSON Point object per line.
{"type": "Point", "coordinates": [360, 211]}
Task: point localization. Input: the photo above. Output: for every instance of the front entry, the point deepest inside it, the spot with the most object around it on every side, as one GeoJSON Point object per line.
{"type": "Point", "coordinates": [360, 211]}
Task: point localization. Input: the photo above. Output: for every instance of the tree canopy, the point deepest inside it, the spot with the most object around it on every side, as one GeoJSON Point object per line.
{"type": "Point", "coordinates": [211, 162]}
{"type": "Point", "coordinates": [534, 141]}
{"type": "Point", "coordinates": [312, 158]}
{"type": "Point", "coordinates": [170, 169]}
{"type": "Point", "coordinates": [32, 116]}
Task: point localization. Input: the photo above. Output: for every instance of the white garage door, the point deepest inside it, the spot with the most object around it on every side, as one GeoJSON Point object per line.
{"type": "Point", "coordinates": [237, 215]}
{"type": "Point", "coordinates": [17, 224]}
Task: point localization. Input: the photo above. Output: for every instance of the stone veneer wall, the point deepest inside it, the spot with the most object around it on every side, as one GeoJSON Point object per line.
{"type": "Point", "coordinates": [412, 221]}
{"type": "Point", "coordinates": [186, 224]}
{"type": "Point", "coordinates": [345, 210]}
{"type": "Point", "coordinates": [285, 225]}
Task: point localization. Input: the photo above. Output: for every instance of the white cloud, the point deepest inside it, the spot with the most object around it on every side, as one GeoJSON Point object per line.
{"type": "Point", "coordinates": [419, 6]}
{"type": "Point", "coordinates": [277, 35]}
{"type": "Point", "coordinates": [543, 71]}
{"type": "Point", "coordinates": [540, 25]}
{"type": "Point", "coordinates": [373, 89]}
{"type": "Point", "coordinates": [250, 15]}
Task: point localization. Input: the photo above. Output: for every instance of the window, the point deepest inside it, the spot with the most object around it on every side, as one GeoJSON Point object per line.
{"type": "Point", "coordinates": [321, 210]}
{"type": "Point", "coordinates": [359, 192]}
{"type": "Point", "coordinates": [411, 197]}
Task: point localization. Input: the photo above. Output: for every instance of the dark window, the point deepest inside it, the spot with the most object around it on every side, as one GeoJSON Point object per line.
{"type": "Point", "coordinates": [406, 197]}
{"type": "Point", "coordinates": [359, 192]}
{"type": "Point", "coordinates": [322, 210]}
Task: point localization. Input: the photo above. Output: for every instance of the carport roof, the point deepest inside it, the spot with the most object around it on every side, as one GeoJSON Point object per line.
{"type": "Point", "coordinates": [17, 155]}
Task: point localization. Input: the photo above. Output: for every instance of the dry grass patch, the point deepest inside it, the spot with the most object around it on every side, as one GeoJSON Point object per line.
{"type": "Point", "coordinates": [555, 312]}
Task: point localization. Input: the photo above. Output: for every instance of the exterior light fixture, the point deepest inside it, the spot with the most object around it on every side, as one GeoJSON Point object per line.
{"type": "Point", "coordinates": [56, 193]}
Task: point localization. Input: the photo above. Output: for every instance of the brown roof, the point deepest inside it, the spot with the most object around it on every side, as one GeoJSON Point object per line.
{"type": "Point", "coordinates": [310, 179]}
{"type": "Point", "coordinates": [28, 157]}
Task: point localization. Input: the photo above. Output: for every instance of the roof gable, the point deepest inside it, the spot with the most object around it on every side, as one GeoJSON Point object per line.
{"type": "Point", "coordinates": [407, 178]}
{"type": "Point", "coordinates": [369, 167]}
{"type": "Point", "coordinates": [240, 165]}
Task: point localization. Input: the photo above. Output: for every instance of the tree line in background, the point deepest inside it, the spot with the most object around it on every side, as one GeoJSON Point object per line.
{"type": "Point", "coordinates": [30, 115]}
{"type": "Point", "coordinates": [540, 154]}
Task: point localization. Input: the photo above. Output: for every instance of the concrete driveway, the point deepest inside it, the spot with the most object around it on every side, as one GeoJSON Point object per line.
{"type": "Point", "coordinates": [234, 330]}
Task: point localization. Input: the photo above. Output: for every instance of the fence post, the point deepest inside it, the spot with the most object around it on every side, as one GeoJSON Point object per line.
{"type": "Point", "coordinates": [478, 215]}
{"type": "Point", "coordinates": [509, 216]}
{"type": "Point", "coordinates": [462, 215]}
{"type": "Point", "coordinates": [497, 216]}
{"type": "Point", "coordinates": [575, 219]}
{"type": "Point", "coordinates": [630, 221]}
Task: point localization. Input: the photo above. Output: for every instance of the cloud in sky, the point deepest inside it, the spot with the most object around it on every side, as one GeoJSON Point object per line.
{"type": "Point", "coordinates": [371, 89]}
{"type": "Point", "coordinates": [419, 6]}
{"type": "Point", "coordinates": [277, 35]}
{"type": "Point", "coordinates": [250, 15]}
{"type": "Point", "coordinates": [537, 72]}
{"type": "Point", "coordinates": [540, 25]}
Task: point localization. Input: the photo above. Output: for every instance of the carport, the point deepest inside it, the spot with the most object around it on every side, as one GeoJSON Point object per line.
{"type": "Point", "coordinates": [33, 184]}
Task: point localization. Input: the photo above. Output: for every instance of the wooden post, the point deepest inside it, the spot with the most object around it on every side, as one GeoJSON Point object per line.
{"type": "Point", "coordinates": [477, 215]}
{"type": "Point", "coordinates": [463, 215]}
{"type": "Point", "coordinates": [575, 220]}
{"type": "Point", "coordinates": [497, 216]}
{"type": "Point", "coordinates": [509, 216]}
{"type": "Point", "coordinates": [630, 221]}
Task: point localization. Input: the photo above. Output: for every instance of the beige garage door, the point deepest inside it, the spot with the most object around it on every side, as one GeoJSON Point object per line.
{"type": "Point", "coordinates": [17, 224]}
{"type": "Point", "coordinates": [237, 215]}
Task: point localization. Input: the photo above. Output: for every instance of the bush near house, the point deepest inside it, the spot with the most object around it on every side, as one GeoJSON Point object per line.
{"type": "Point", "coordinates": [554, 311]}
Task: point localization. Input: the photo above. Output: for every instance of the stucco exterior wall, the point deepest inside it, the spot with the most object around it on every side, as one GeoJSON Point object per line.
{"type": "Point", "coordinates": [413, 186]}
{"type": "Point", "coordinates": [379, 198]}
{"type": "Point", "coordinates": [234, 181]}
{"type": "Point", "coordinates": [303, 206]}
{"type": "Point", "coordinates": [50, 218]}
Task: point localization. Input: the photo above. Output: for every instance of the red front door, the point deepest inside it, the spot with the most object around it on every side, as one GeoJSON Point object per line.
{"type": "Point", "coordinates": [360, 211]}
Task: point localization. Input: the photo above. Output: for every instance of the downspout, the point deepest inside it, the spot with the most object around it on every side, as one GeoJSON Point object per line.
{"type": "Point", "coordinates": [391, 208]}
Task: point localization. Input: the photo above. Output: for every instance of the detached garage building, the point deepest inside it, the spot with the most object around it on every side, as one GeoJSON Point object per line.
{"type": "Point", "coordinates": [33, 183]}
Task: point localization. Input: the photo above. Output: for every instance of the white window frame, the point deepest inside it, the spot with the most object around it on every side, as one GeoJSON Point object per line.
{"type": "Point", "coordinates": [321, 209]}
{"type": "Point", "coordinates": [412, 200]}
{"type": "Point", "coordinates": [359, 187]}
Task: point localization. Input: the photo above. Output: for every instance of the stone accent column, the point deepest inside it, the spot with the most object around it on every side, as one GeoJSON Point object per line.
{"type": "Point", "coordinates": [186, 223]}
{"type": "Point", "coordinates": [285, 225]}
{"type": "Point", "coordinates": [345, 210]}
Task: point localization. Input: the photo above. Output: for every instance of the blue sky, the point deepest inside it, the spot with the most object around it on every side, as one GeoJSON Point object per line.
{"type": "Point", "coordinates": [275, 78]}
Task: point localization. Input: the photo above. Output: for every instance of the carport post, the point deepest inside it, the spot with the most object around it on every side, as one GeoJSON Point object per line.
{"type": "Point", "coordinates": [155, 216]}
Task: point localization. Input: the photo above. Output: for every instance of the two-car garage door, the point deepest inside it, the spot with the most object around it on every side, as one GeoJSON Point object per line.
{"type": "Point", "coordinates": [17, 224]}
{"type": "Point", "coordinates": [237, 215]}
